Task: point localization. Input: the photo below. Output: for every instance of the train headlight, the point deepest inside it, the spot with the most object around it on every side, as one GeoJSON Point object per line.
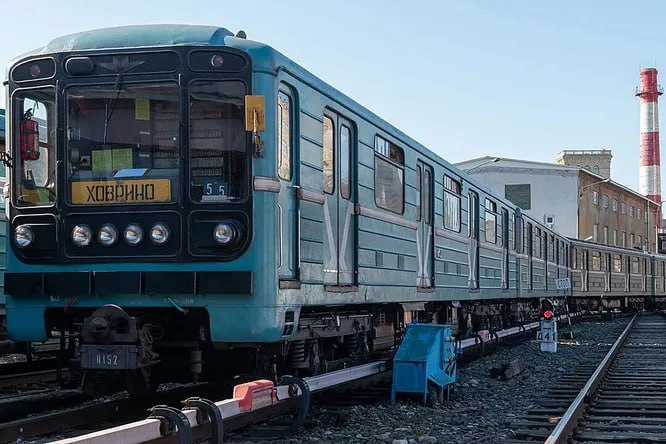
{"type": "Point", "coordinates": [107, 235]}
{"type": "Point", "coordinates": [159, 234]}
{"type": "Point", "coordinates": [225, 233]}
{"type": "Point", "coordinates": [81, 235]}
{"type": "Point", "coordinates": [133, 235]}
{"type": "Point", "coordinates": [24, 236]}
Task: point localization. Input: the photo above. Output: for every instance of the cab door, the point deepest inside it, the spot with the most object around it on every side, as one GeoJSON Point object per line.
{"type": "Point", "coordinates": [424, 230]}
{"type": "Point", "coordinates": [287, 208]}
{"type": "Point", "coordinates": [339, 219]}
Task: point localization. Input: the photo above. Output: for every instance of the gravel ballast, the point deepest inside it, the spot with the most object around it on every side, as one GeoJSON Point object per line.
{"type": "Point", "coordinates": [482, 409]}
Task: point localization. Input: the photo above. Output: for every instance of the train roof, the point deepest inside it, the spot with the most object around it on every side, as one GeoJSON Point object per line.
{"type": "Point", "coordinates": [135, 36]}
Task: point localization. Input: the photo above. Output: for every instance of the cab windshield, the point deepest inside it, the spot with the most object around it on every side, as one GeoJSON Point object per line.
{"type": "Point", "coordinates": [34, 122]}
{"type": "Point", "coordinates": [123, 144]}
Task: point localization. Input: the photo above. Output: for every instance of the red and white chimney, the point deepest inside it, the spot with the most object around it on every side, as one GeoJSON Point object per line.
{"type": "Point", "coordinates": [649, 178]}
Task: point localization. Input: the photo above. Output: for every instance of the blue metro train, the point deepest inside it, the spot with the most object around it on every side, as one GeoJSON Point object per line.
{"type": "Point", "coordinates": [182, 195]}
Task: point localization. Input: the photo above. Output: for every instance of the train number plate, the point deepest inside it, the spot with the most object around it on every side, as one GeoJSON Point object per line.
{"type": "Point", "coordinates": [121, 191]}
{"type": "Point", "coordinates": [109, 360]}
{"type": "Point", "coordinates": [109, 357]}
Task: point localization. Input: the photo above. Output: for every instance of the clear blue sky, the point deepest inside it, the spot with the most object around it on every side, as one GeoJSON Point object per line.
{"type": "Point", "coordinates": [520, 79]}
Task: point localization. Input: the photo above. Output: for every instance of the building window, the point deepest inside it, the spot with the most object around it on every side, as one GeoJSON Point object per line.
{"type": "Point", "coordinates": [614, 237]}
{"type": "Point", "coordinates": [595, 232]}
{"type": "Point", "coordinates": [638, 213]}
{"type": "Point", "coordinates": [614, 204]}
{"type": "Point", "coordinates": [632, 240]}
{"type": "Point", "coordinates": [635, 265]}
{"type": "Point", "coordinates": [595, 169]}
{"type": "Point", "coordinates": [595, 197]}
{"type": "Point", "coordinates": [640, 241]}
{"type": "Point", "coordinates": [451, 204]}
{"type": "Point", "coordinates": [606, 235]}
{"type": "Point", "coordinates": [623, 207]}
{"type": "Point", "coordinates": [605, 200]}
{"type": "Point", "coordinates": [491, 221]}
{"type": "Point", "coordinates": [624, 239]}
{"type": "Point", "coordinates": [389, 176]}
{"type": "Point", "coordinates": [284, 136]}
{"type": "Point", "coordinates": [520, 195]}
{"type": "Point", "coordinates": [631, 211]}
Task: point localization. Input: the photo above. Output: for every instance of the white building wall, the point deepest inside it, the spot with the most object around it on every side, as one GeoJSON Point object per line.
{"type": "Point", "coordinates": [554, 191]}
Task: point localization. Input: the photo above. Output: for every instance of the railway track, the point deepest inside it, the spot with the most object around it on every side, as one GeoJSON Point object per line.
{"type": "Point", "coordinates": [256, 403]}
{"type": "Point", "coordinates": [625, 399]}
{"type": "Point", "coordinates": [620, 398]}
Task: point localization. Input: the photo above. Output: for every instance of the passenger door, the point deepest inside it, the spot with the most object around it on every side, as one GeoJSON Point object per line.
{"type": "Point", "coordinates": [473, 251]}
{"type": "Point", "coordinates": [424, 230]}
{"type": "Point", "coordinates": [339, 219]}
{"type": "Point", "coordinates": [287, 208]}
{"type": "Point", "coordinates": [505, 249]}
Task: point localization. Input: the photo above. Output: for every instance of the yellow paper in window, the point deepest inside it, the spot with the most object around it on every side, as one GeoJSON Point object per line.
{"type": "Point", "coordinates": [142, 109]}
{"type": "Point", "coordinates": [122, 158]}
{"type": "Point", "coordinates": [102, 161]}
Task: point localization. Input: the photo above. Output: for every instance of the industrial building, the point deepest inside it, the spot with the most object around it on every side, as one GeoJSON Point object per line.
{"type": "Point", "coordinates": [597, 161]}
{"type": "Point", "coordinates": [572, 200]}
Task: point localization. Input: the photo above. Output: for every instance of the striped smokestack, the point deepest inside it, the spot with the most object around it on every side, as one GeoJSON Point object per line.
{"type": "Point", "coordinates": [649, 180]}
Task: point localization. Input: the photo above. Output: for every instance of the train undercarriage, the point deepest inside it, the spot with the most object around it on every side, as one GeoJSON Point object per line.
{"type": "Point", "coordinates": [111, 348]}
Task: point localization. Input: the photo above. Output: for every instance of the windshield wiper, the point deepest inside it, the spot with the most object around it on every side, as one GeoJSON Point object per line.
{"type": "Point", "coordinates": [107, 114]}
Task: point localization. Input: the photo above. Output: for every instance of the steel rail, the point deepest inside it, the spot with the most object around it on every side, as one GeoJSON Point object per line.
{"type": "Point", "coordinates": [567, 424]}
{"type": "Point", "coordinates": [263, 400]}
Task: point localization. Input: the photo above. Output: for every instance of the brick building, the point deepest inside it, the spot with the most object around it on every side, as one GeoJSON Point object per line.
{"type": "Point", "coordinates": [597, 161]}
{"type": "Point", "coordinates": [574, 201]}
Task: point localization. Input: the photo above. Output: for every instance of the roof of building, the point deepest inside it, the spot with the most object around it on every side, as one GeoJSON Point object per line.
{"type": "Point", "coordinates": [532, 164]}
{"type": "Point", "coordinates": [528, 163]}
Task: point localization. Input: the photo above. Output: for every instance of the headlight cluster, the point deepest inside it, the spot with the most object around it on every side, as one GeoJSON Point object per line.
{"type": "Point", "coordinates": [24, 236]}
{"type": "Point", "coordinates": [108, 235]}
{"type": "Point", "coordinates": [225, 233]}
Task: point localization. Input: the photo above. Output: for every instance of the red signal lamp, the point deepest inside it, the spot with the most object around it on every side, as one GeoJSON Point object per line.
{"type": "Point", "coordinates": [548, 314]}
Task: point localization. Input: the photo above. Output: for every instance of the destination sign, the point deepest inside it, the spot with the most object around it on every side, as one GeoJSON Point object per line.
{"type": "Point", "coordinates": [121, 191]}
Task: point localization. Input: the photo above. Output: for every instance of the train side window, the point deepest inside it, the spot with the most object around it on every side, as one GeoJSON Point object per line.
{"type": "Point", "coordinates": [284, 135]}
{"type": "Point", "coordinates": [529, 239]}
{"type": "Point", "coordinates": [451, 204]}
{"type": "Point", "coordinates": [537, 249]}
{"type": "Point", "coordinates": [426, 197]}
{"type": "Point", "coordinates": [329, 155]}
{"type": "Point", "coordinates": [505, 228]}
{"type": "Point", "coordinates": [596, 261]}
{"type": "Point", "coordinates": [491, 221]}
{"type": "Point", "coordinates": [513, 231]}
{"type": "Point", "coordinates": [579, 260]}
{"type": "Point", "coordinates": [617, 263]}
{"type": "Point", "coordinates": [418, 193]}
{"type": "Point", "coordinates": [635, 265]}
{"type": "Point", "coordinates": [345, 156]}
{"type": "Point", "coordinates": [389, 176]}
